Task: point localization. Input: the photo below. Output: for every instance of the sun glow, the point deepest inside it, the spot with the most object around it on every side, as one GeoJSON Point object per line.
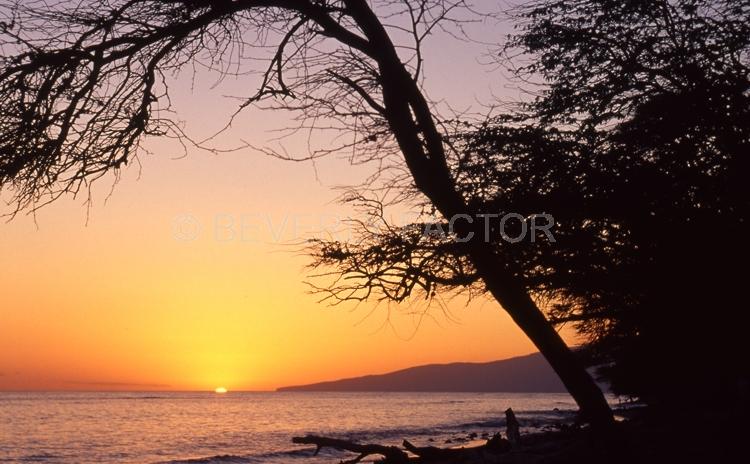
{"type": "Point", "coordinates": [220, 390]}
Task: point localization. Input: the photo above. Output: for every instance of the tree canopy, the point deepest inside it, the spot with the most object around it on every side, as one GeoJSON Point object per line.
{"type": "Point", "coordinates": [636, 144]}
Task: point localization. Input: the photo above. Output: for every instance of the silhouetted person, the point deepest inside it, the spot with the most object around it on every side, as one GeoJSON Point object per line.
{"type": "Point", "coordinates": [512, 428]}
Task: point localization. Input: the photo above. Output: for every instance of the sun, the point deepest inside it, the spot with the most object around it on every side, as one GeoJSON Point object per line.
{"type": "Point", "coordinates": [220, 390]}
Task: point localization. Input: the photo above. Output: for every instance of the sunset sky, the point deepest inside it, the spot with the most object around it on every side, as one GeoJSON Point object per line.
{"type": "Point", "coordinates": [158, 286]}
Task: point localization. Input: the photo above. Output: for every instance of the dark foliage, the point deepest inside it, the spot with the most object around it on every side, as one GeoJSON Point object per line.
{"type": "Point", "coordinates": [638, 145]}
{"type": "Point", "coordinates": [659, 93]}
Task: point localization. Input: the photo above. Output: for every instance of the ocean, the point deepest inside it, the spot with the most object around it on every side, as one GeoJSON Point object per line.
{"type": "Point", "coordinates": [244, 427]}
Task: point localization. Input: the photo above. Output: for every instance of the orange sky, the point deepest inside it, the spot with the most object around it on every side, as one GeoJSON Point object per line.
{"type": "Point", "coordinates": [162, 289]}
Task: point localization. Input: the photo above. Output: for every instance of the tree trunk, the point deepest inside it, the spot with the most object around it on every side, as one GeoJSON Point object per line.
{"type": "Point", "coordinates": [527, 315]}
{"type": "Point", "coordinates": [412, 123]}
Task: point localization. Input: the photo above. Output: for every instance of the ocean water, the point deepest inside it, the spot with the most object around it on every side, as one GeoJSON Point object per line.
{"type": "Point", "coordinates": [243, 427]}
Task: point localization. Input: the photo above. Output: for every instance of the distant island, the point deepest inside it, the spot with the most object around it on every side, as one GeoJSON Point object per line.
{"type": "Point", "coordinates": [523, 374]}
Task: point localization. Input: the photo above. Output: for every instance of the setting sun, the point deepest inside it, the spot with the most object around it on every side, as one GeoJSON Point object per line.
{"type": "Point", "coordinates": [220, 390]}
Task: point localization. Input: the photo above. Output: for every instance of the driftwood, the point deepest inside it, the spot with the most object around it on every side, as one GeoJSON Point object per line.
{"type": "Point", "coordinates": [391, 454]}
{"type": "Point", "coordinates": [416, 454]}
{"type": "Point", "coordinates": [483, 453]}
{"type": "Point", "coordinates": [412, 454]}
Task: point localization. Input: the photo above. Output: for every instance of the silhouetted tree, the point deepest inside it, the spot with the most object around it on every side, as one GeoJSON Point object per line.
{"type": "Point", "coordinates": [660, 93]}
{"type": "Point", "coordinates": [81, 84]}
{"type": "Point", "coordinates": [637, 145]}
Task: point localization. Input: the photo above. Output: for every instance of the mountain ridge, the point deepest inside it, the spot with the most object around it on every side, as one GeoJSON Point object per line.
{"type": "Point", "coordinates": [521, 374]}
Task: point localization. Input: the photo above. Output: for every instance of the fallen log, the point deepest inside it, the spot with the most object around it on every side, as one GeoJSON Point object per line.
{"type": "Point", "coordinates": [488, 452]}
{"type": "Point", "coordinates": [483, 453]}
{"type": "Point", "coordinates": [391, 454]}
{"type": "Point", "coordinates": [420, 455]}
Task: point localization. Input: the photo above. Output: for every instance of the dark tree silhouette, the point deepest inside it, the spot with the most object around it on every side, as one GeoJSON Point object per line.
{"type": "Point", "coordinates": [82, 83]}
{"type": "Point", "coordinates": [660, 93]}
{"type": "Point", "coordinates": [637, 145]}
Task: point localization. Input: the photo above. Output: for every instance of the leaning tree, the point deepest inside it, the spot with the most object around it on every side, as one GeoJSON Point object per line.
{"type": "Point", "coordinates": [83, 82]}
{"type": "Point", "coordinates": [636, 142]}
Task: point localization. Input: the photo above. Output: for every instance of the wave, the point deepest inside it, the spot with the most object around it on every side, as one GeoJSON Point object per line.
{"type": "Point", "coordinates": [39, 457]}
{"type": "Point", "coordinates": [280, 456]}
{"type": "Point", "coordinates": [223, 459]}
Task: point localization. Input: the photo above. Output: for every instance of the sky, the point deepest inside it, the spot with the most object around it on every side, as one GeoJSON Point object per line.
{"type": "Point", "coordinates": [186, 276]}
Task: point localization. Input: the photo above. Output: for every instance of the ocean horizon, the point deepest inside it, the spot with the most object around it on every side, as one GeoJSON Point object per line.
{"type": "Point", "coordinates": [251, 427]}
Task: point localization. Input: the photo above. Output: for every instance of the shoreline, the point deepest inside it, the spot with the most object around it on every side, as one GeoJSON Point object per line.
{"type": "Point", "coordinates": [641, 436]}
